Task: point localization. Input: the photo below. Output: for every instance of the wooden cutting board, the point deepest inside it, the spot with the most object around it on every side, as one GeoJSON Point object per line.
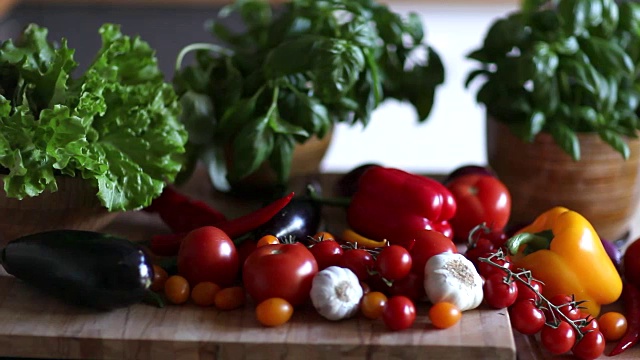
{"type": "Point", "coordinates": [35, 325]}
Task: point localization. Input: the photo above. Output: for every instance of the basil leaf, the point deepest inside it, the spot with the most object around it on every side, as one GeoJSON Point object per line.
{"type": "Point", "coordinates": [616, 141]}
{"type": "Point", "coordinates": [567, 139]}
{"type": "Point", "coordinates": [280, 159]}
{"type": "Point", "coordinates": [251, 147]}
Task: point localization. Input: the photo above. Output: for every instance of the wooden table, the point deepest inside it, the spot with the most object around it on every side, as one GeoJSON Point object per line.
{"type": "Point", "coordinates": [35, 325]}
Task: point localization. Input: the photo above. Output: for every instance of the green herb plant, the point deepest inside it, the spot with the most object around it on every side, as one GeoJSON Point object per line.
{"type": "Point", "coordinates": [292, 73]}
{"type": "Point", "coordinates": [115, 125]}
{"type": "Point", "coordinates": [564, 67]}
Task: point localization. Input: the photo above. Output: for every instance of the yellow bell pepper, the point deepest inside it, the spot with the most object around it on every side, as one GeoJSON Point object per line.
{"type": "Point", "coordinates": [562, 249]}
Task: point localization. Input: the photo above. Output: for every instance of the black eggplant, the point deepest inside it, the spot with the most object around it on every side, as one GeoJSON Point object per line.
{"type": "Point", "coordinates": [84, 268]}
{"type": "Point", "coordinates": [300, 218]}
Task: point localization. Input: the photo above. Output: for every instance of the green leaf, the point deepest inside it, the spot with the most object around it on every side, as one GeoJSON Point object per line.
{"type": "Point", "coordinates": [198, 117]}
{"type": "Point", "coordinates": [280, 159]}
{"type": "Point", "coordinates": [251, 147]}
{"type": "Point", "coordinates": [616, 141]}
{"type": "Point", "coordinates": [576, 15]}
{"type": "Point", "coordinates": [236, 116]}
{"type": "Point", "coordinates": [567, 139]}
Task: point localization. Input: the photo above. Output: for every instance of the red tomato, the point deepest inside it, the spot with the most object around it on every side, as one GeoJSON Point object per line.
{"type": "Point", "coordinates": [427, 244]}
{"type": "Point", "coordinates": [283, 271]}
{"type": "Point", "coordinates": [479, 199]}
{"type": "Point", "coordinates": [399, 313]}
{"type": "Point", "coordinates": [526, 317]}
{"type": "Point", "coordinates": [590, 347]}
{"type": "Point", "coordinates": [208, 254]}
{"type": "Point", "coordinates": [525, 292]}
{"type": "Point", "coordinates": [499, 294]}
{"type": "Point", "coordinates": [327, 253]}
{"type": "Point", "coordinates": [558, 340]}
{"type": "Point", "coordinates": [359, 261]}
{"type": "Point", "coordinates": [393, 262]}
{"type": "Point", "coordinates": [411, 286]}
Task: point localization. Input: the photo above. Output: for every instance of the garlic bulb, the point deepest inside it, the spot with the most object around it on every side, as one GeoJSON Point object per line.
{"type": "Point", "coordinates": [336, 293]}
{"type": "Point", "coordinates": [453, 278]}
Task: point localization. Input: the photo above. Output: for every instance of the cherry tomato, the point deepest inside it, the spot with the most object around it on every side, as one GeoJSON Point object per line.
{"type": "Point", "coordinates": [359, 261]}
{"type": "Point", "coordinates": [481, 248]}
{"type": "Point", "coordinates": [327, 253]}
{"type": "Point", "coordinates": [525, 292]}
{"type": "Point", "coordinates": [204, 293]}
{"type": "Point", "coordinates": [558, 340]}
{"type": "Point", "coordinates": [208, 254]}
{"type": "Point", "coordinates": [176, 289]}
{"type": "Point", "coordinates": [444, 315]}
{"type": "Point", "coordinates": [399, 313]}
{"type": "Point", "coordinates": [485, 269]}
{"type": "Point", "coordinates": [567, 306]}
{"type": "Point", "coordinates": [285, 271]}
{"type": "Point", "coordinates": [590, 347]}
{"type": "Point", "coordinates": [613, 325]}
{"type": "Point", "coordinates": [324, 236]}
{"type": "Point", "coordinates": [267, 240]}
{"type": "Point", "coordinates": [160, 276]}
{"type": "Point", "coordinates": [230, 298]}
{"type": "Point", "coordinates": [499, 294]}
{"type": "Point", "coordinates": [480, 199]}
{"type": "Point", "coordinates": [526, 317]}
{"type": "Point", "coordinates": [588, 323]}
{"type": "Point", "coordinates": [372, 304]}
{"type": "Point", "coordinates": [411, 286]}
{"type": "Point", "coordinates": [274, 312]}
{"type": "Point", "coordinates": [393, 262]}
{"type": "Point", "coordinates": [428, 243]}
{"type": "Point", "coordinates": [631, 263]}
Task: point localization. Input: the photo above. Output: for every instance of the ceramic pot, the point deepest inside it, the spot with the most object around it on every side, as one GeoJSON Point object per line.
{"type": "Point", "coordinates": [601, 186]}
{"type": "Point", "coordinates": [73, 206]}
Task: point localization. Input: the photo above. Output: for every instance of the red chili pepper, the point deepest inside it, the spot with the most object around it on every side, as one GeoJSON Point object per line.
{"type": "Point", "coordinates": [393, 204]}
{"type": "Point", "coordinates": [183, 214]}
{"type": "Point", "coordinates": [631, 300]}
{"type": "Point", "coordinates": [169, 244]}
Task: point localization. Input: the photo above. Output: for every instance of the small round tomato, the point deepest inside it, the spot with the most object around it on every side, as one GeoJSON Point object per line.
{"type": "Point", "coordinates": [327, 253]}
{"type": "Point", "coordinates": [411, 286]}
{"type": "Point", "coordinates": [590, 347]}
{"type": "Point", "coordinates": [485, 269]}
{"type": "Point", "coordinates": [372, 304]}
{"type": "Point", "coordinates": [267, 240]}
{"type": "Point", "coordinates": [274, 312]}
{"type": "Point", "coordinates": [285, 271]}
{"type": "Point", "coordinates": [427, 244]}
{"type": "Point", "coordinates": [613, 325]}
{"type": "Point", "coordinates": [204, 293]}
{"type": "Point", "coordinates": [526, 293]}
{"type": "Point", "coordinates": [499, 294]}
{"type": "Point", "coordinates": [526, 317]}
{"type": "Point", "coordinates": [444, 315]}
{"type": "Point", "coordinates": [479, 199]}
{"type": "Point", "coordinates": [208, 254]}
{"type": "Point", "coordinates": [176, 289]}
{"type": "Point", "coordinates": [359, 261]}
{"type": "Point", "coordinates": [230, 298]}
{"type": "Point", "coordinates": [399, 313]}
{"type": "Point", "coordinates": [160, 276]}
{"type": "Point", "coordinates": [324, 236]}
{"type": "Point", "coordinates": [567, 306]}
{"type": "Point", "coordinates": [558, 340]}
{"type": "Point", "coordinates": [393, 262]}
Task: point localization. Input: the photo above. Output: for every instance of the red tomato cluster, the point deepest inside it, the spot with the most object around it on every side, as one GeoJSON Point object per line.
{"type": "Point", "coordinates": [560, 323]}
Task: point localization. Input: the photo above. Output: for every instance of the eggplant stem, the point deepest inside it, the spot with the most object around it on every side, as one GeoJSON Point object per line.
{"type": "Point", "coordinates": [153, 298]}
{"type": "Point", "coordinates": [336, 201]}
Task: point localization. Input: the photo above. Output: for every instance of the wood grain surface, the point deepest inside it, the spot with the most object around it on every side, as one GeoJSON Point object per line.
{"type": "Point", "coordinates": [35, 325]}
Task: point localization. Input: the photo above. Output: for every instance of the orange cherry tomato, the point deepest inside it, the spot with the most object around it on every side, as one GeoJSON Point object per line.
{"type": "Point", "coordinates": [176, 289]}
{"type": "Point", "coordinates": [613, 325]}
{"type": "Point", "coordinates": [268, 240]}
{"type": "Point", "coordinates": [444, 315]}
{"type": "Point", "coordinates": [323, 236]}
{"type": "Point", "coordinates": [372, 304]}
{"type": "Point", "coordinates": [274, 312]}
{"type": "Point", "coordinates": [160, 277]}
{"type": "Point", "coordinates": [230, 298]}
{"type": "Point", "coordinates": [204, 293]}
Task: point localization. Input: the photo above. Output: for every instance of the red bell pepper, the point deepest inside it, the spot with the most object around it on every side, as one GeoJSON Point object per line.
{"type": "Point", "coordinates": [393, 204]}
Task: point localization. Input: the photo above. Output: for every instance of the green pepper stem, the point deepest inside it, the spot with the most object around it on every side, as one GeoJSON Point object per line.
{"type": "Point", "coordinates": [534, 242]}
{"type": "Point", "coordinates": [336, 201]}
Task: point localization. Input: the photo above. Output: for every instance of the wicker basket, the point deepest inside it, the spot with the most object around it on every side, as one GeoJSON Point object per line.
{"type": "Point", "coordinates": [73, 206]}
{"type": "Point", "coordinates": [602, 186]}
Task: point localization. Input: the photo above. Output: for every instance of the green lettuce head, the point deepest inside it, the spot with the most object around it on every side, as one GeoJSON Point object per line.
{"type": "Point", "coordinates": [116, 125]}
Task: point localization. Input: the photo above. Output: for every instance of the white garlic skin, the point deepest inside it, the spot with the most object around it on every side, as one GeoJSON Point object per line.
{"type": "Point", "coordinates": [453, 278]}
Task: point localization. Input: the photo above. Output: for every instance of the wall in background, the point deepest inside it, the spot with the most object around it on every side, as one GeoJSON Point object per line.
{"type": "Point", "coordinates": [453, 135]}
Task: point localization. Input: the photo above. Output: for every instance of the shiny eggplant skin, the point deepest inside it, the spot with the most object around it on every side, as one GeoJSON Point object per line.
{"type": "Point", "coordinates": [300, 218]}
{"type": "Point", "coordinates": [83, 268]}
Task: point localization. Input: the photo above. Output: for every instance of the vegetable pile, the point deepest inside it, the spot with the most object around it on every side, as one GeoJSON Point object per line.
{"type": "Point", "coordinates": [293, 74]}
{"type": "Point", "coordinates": [115, 125]}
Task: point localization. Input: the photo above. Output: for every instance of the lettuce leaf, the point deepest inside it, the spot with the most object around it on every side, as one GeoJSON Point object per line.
{"type": "Point", "coordinates": [116, 125]}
